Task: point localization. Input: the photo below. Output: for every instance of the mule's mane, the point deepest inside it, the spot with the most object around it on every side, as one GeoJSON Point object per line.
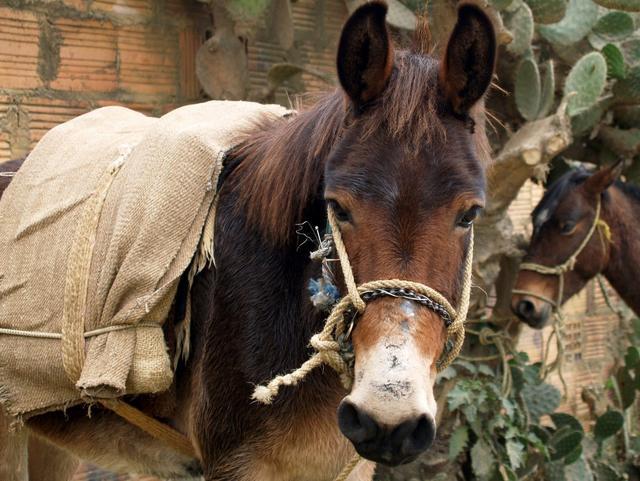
{"type": "Point", "coordinates": [567, 182]}
{"type": "Point", "coordinates": [281, 162]}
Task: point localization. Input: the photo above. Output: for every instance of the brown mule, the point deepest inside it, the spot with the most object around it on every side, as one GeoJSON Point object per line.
{"type": "Point", "coordinates": [395, 154]}
{"type": "Point", "coordinates": [562, 220]}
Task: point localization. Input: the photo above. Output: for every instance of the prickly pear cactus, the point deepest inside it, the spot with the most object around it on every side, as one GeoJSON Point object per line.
{"type": "Point", "coordinates": [541, 399]}
{"type": "Point", "coordinates": [565, 442]}
{"type": "Point", "coordinates": [608, 425]}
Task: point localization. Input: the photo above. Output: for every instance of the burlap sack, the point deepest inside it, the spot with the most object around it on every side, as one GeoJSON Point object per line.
{"type": "Point", "coordinates": [96, 229]}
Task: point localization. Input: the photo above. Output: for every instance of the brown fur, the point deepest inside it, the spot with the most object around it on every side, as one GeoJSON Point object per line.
{"type": "Point", "coordinates": [574, 211]}
{"type": "Point", "coordinates": [396, 154]}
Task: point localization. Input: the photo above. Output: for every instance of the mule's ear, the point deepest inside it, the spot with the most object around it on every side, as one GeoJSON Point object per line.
{"type": "Point", "coordinates": [467, 68]}
{"type": "Point", "coordinates": [603, 178]}
{"type": "Point", "coordinates": [365, 53]}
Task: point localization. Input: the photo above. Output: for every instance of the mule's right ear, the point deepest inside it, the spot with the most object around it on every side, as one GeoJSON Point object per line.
{"type": "Point", "coordinates": [365, 53]}
{"type": "Point", "coordinates": [467, 68]}
{"type": "Point", "coordinates": [600, 181]}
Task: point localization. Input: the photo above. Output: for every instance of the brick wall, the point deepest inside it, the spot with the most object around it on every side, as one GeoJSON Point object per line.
{"type": "Point", "coordinates": [61, 58]}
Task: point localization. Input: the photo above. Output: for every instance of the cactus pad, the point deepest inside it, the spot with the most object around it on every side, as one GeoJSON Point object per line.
{"type": "Point", "coordinates": [577, 23]}
{"type": "Point", "coordinates": [527, 89]}
{"type": "Point", "coordinates": [548, 91]}
{"type": "Point", "coordinates": [615, 61]}
{"type": "Point", "coordinates": [614, 26]}
{"type": "Point", "coordinates": [564, 444]}
{"type": "Point", "coordinates": [562, 419]}
{"type": "Point", "coordinates": [547, 11]}
{"type": "Point", "coordinates": [587, 78]}
{"type": "Point", "coordinates": [540, 399]}
{"type": "Point", "coordinates": [520, 24]}
{"type": "Point", "coordinates": [627, 5]}
{"type": "Point", "coordinates": [607, 425]}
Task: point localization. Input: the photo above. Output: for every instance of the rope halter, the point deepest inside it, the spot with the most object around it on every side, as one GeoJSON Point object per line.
{"type": "Point", "coordinates": [568, 265]}
{"type": "Point", "coordinates": [332, 344]}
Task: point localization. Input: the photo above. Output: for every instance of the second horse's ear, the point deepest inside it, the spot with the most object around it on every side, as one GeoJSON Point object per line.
{"type": "Point", "coordinates": [600, 181]}
{"type": "Point", "coordinates": [365, 54]}
{"type": "Point", "coordinates": [467, 68]}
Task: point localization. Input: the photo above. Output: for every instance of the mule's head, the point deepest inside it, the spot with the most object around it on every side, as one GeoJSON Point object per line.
{"type": "Point", "coordinates": [561, 222]}
{"type": "Point", "coordinates": [406, 183]}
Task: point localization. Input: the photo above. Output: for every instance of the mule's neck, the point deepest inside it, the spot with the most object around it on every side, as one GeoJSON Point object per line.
{"type": "Point", "coordinates": [621, 211]}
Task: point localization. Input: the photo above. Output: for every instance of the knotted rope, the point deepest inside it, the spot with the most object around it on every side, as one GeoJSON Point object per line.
{"type": "Point", "coordinates": [559, 270]}
{"type": "Point", "coordinates": [331, 343]}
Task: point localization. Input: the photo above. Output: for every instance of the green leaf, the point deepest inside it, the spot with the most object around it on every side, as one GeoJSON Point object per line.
{"type": "Point", "coordinates": [615, 61]}
{"type": "Point", "coordinates": [458, 396]}
{"type": "Point", "coordinates": [607, 425]}
{"type": "Point", "coordinates": [627, 386]}
{"type": "Point", "coordinates": [467, 365]}
{"type": "Point", "coordinates": [520, 24]}
{"type": "Point", "coordinates": [527, 89]}
{"type": "Point", "coordinates": [573, 456]}
{"type": "Point", "coordinates": [458, 442]}
{"type": "Point", "coordinates": [626, 5]}
{"type": "Point", "coordinates": [565, 444]}
{"type": "Point", "coordinates": [614, 26]}
{"type": "Point", "coordinates": [547, 11]}
{"type": "Point", "coordinates": [548, 91]}
{"type": "Point", "coordinates": [540, 399]}
{"type": "Point", "coordinates": [627, 91]}
{"type": "Point", "coordinates": [563, 419]}
{"type": "Point", "coordinates": [581, 16]}
{"type": "Point", "coordinates": [586, 120]}
{"type": "Point", "coordinates": [515, 451]}
{"type": "Point", "coordinates": [486, 370]}
{"type": "Point", "coordinates": [632, 357]}
{"type": "Point", "coordinates": [482, 460]}
{"type": "Point", "coordinates": [587, 79]}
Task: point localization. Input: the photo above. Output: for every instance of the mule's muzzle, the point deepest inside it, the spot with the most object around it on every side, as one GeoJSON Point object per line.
{"type": "Point", "coordinates": [390, 445]}
{"type": "Point", "coordinates": [533, 312]}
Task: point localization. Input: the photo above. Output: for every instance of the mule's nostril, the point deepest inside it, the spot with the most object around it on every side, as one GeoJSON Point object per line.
{"type": "Point", "coordinates": [415, 436]}
{"type": "Point", "coordinates": [525, 309]}
{"type": "Point", "coordinates": [356, 425]}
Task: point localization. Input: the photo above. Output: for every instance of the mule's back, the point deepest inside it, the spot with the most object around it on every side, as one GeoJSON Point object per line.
{"type": "Point", "coordinates": [96, 229]}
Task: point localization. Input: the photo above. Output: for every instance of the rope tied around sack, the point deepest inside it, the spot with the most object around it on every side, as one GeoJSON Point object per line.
{"type": "Point", "coordinates": [332, 343]}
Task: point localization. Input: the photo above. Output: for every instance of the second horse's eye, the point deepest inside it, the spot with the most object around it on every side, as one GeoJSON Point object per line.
{"type": "Point", "coordinates": [466, 219]}
{"type": "Point", "coordinates": [342, 215]}
{"type": "Point", "coordinates": [567, 227]}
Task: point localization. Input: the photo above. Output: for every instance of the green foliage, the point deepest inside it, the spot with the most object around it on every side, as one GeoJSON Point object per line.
{"type": "Point", "coordinates": [519, 21]}
{"type": "Point", "coordinates": [607, 425]}
{"type": "Point", "coordinates": [628, 5]}
{"type": "Point", "coordinates": [540, 399]}
{"type": "Point", "coordinates": [627, 91]}
{"type": "Point", "coordinates": [614, 26]}
{"type": "Point", "coordinates": [527, 89]}
{"type": "Point", "coordinates": [579, 19]}
{"type": "Point", "coordinates": [547, 11]}
{"type": "Point", "coordinates": [585, 83]}
{"type": "Point", "coordinates": [615, 61]}
{"type": "Point", "coordinates": [458, 441]}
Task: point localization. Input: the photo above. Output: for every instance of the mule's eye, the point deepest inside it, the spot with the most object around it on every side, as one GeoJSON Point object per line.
{"type": "Point", "coordinates": [342, 215]}
{"type": "Point", "coordinates": [567, 228]}
{"type": "Point", "coordinates": [467, 218]}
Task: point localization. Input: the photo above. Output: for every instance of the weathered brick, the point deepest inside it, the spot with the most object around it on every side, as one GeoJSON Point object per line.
{"type": "Point", "coordinates": [148, 60]}
{"type": "Point", "coordinates": [88, 56]}
{"type": "Point", "coordinates": [19, 34]}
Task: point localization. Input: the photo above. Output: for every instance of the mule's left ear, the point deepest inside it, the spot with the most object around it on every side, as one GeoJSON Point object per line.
{"type": "Point", "coordinates": [603, 178]}
{"type": "Point", "coordinates": [365, 53]}
{"type": "Point", "coordinates": [467, 68]}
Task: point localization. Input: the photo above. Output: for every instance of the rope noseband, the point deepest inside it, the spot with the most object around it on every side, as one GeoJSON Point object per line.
{"type": "Point", "coordinates": [560, 270]}
{"type": "Point", "coordinates": [330, 343]}
{"type": "Point", "coordinates": [567, 266]}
